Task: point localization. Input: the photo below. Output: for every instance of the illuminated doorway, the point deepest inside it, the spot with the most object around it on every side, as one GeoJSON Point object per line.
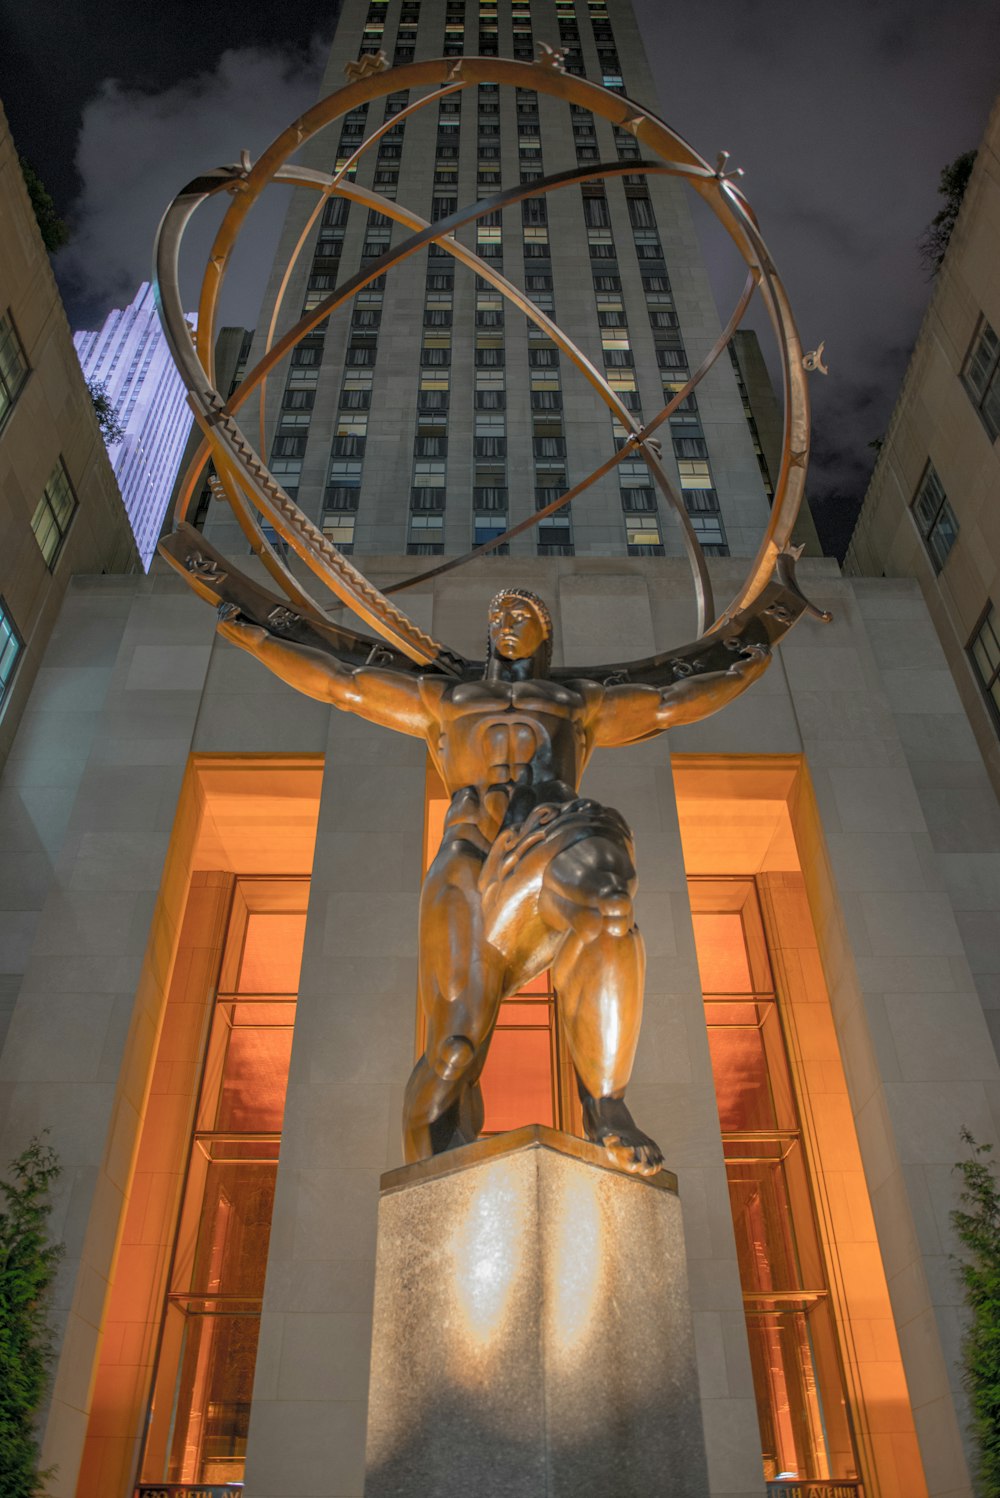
{"type": "Point", "coordinates": [203, 1383]}
{"type": "Point", "coordinates": [801, 1398]}
{"type": "Point", "coordinates": [828, 1373]}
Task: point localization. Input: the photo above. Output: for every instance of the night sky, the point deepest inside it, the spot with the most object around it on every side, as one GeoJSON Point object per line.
{"type": "Point", "coordinates": [841, 114]}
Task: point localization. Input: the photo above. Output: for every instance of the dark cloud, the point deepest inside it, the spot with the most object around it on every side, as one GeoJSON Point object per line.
{"type": "Point", "coordinates": [843, 117]}
{"type": "Point", "coordinates": [137, 148]}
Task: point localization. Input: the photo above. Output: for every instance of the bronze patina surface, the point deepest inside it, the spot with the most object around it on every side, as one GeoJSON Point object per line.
{"type": "Point", "coordinates": [529, 875]}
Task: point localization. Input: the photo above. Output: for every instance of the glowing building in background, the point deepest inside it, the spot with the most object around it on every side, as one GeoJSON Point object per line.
{"type": "Point", "coordinates": [128, 357]}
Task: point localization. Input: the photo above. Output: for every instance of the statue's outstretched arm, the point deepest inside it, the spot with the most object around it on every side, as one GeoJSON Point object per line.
{"type": "Point", "coordinates": [631, 712]}
{"type": "Point", "coordinates": [391, 698]}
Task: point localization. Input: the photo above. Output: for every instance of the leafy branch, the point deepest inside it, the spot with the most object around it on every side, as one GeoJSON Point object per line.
{"type": "Point", "coordinates": [977, 1224]}
{"type": "Point", "coordinates": [107, 417]}
{"type": "Point", "coordinates": [951, 186]}
{"type": "Point", "coordinates": [28, 1262]}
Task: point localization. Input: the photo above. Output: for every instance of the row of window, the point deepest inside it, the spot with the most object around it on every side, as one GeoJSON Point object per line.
{"type": "Point", "coordinates": [932, 513]}
{"type": "Point", "coordinates": [554, 535]}
{"type": "Point", "coordinates": [55, 511]}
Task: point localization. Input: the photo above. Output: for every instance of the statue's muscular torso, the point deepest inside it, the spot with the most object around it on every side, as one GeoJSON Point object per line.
{"type": "Point", "coordinates": [499, 739]}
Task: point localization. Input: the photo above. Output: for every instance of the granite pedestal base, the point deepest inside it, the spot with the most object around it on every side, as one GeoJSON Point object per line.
{"type": "Point", "coordinates": [532, 1333]}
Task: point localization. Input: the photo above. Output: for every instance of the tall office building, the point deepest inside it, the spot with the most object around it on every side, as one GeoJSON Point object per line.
{"type": "Point", "coordinates": [931, 508]}
{"type": "Point", "coordinates": [214, 988]}
{"type": "Point", "coordinates": [429, 415]}
{"type": "Point", "coordinates": [60, 509]}
{"type": "Point", "coordinates": [129, 357]}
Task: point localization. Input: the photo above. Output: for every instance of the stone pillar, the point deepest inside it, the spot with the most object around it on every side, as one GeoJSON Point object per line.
{"type": "Point", "coordinates": [532, 1331]}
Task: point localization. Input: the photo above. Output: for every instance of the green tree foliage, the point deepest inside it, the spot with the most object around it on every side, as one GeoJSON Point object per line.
{"type": "Point", "coordinates": [953, 182]}
{"type": "Point", "coordinates": [54, 231]}
{"type": "Point", "coordinates": [28, 1263]}
{"type": "Point", "coordinates": [107, 418]}
{"type": "Point", "coordinates": [978, 1227]}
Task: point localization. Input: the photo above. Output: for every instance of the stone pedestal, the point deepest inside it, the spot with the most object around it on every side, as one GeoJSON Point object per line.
{"type": "Point", "coordinates": [532, 1333]}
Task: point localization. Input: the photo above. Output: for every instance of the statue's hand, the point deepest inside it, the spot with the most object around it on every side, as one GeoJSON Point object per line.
{"type": "Point", "coordinates": [753, 659]}
{"type": "Point", "coordinates": [239, 631]}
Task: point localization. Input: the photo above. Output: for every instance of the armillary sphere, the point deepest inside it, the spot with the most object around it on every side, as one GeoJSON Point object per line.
{"type": "Point", "coordinates": [767, 603]}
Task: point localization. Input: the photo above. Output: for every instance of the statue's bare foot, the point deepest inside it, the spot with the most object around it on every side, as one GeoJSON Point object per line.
{"type": "Point", "coordinates": [608, 1122]}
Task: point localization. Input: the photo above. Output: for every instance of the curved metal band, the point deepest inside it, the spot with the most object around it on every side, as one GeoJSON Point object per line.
{"type": "Point", "coordinates": [441, 232]}
{"type": "Point", "coordinates": [242, 469]}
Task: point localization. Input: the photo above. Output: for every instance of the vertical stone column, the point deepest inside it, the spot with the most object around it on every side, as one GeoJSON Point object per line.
{"type": "Point", "coordinates": [672, 1094]}
{"type": "Point", "coordinates": [353, 1049]}
{"type": "Point", "coordinates": [78, 1055]}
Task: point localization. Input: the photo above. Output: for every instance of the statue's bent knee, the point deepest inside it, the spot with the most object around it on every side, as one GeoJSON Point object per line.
{"type": "Point", "coordinates": [617, 912]}
{"type": "Point", "coordinates": [452, 1057]}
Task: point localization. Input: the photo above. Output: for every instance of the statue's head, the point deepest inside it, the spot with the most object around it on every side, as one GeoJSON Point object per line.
{"type": "Point", "coordinates": [520, 629]}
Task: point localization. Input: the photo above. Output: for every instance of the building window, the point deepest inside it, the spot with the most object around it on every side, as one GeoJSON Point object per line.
{"type": "Point", "coordinates": [981, 377]}
{"type": "Point", "coordinates": [935, 517]}
{"type": "Point", "coordinates": [54, 514]}
{"type": "Point", "coordinates": [11, 646]}
{"type": "Point", "coordinates": [983, 648]}
{"type": "Point", "coordinates": [13, 366]}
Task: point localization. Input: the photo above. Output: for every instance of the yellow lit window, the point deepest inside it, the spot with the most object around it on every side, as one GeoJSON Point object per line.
{"type": "Point", "coordinates": [621, 379]}
{"type": "Point", "coordinates": [339, 529]}
{"type": "Point", "coordinates": [489, 234]}
{"type": "Point", "coordinates": [695, 473]}
{"type": "Point", "coordinates": [438, 380]}
{"type": "Point", "coordinates": [642, 531]}
{"type": "Point", "coordinates": [537, 234]}
{"type": "Point", "coordinates": [614, 343]}
{"type": "Point", "coordinates": [437, 340]}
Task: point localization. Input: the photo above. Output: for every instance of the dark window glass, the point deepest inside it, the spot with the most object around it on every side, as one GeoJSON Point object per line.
{"type": "Point", "coordinates": [984, 652]}
{"type": "Point", "coordinates": [595, 213]}
{"type": "Point", "coordinates": [11, 646]}
{"type": "Point", "coordinates": [981, 378]}
{"type": "Point", "coordinates": [935, 517]}
{"type": "Point", "coordinates": [54, 514]}
{"type": "Point", "coordinates": [13, 367]}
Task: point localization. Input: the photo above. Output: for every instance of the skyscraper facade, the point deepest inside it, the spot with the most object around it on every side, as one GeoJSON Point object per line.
{"type": "Point", "coordinates": [930, 511]}
{"type": "Point", "coordinates": [429, 416]}
{"type": "Point", "coordinates": [60, 509]}
{"type": "Point", "coordinates": [128, 356]}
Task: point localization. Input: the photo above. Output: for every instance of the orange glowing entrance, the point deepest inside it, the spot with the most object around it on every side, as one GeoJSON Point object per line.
{"type": "Point", "coordinates": [801, 1400]}
{"type": "Point", "coordinates": [178, 1345]}
{"type": "Point", "coordinates": [204, 1375]}
{"type": "Point", "coordinates": [832, 1401]}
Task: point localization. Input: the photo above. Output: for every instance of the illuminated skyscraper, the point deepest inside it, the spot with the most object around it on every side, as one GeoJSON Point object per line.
{"type": "Point", "coordinates": [128, 356]}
